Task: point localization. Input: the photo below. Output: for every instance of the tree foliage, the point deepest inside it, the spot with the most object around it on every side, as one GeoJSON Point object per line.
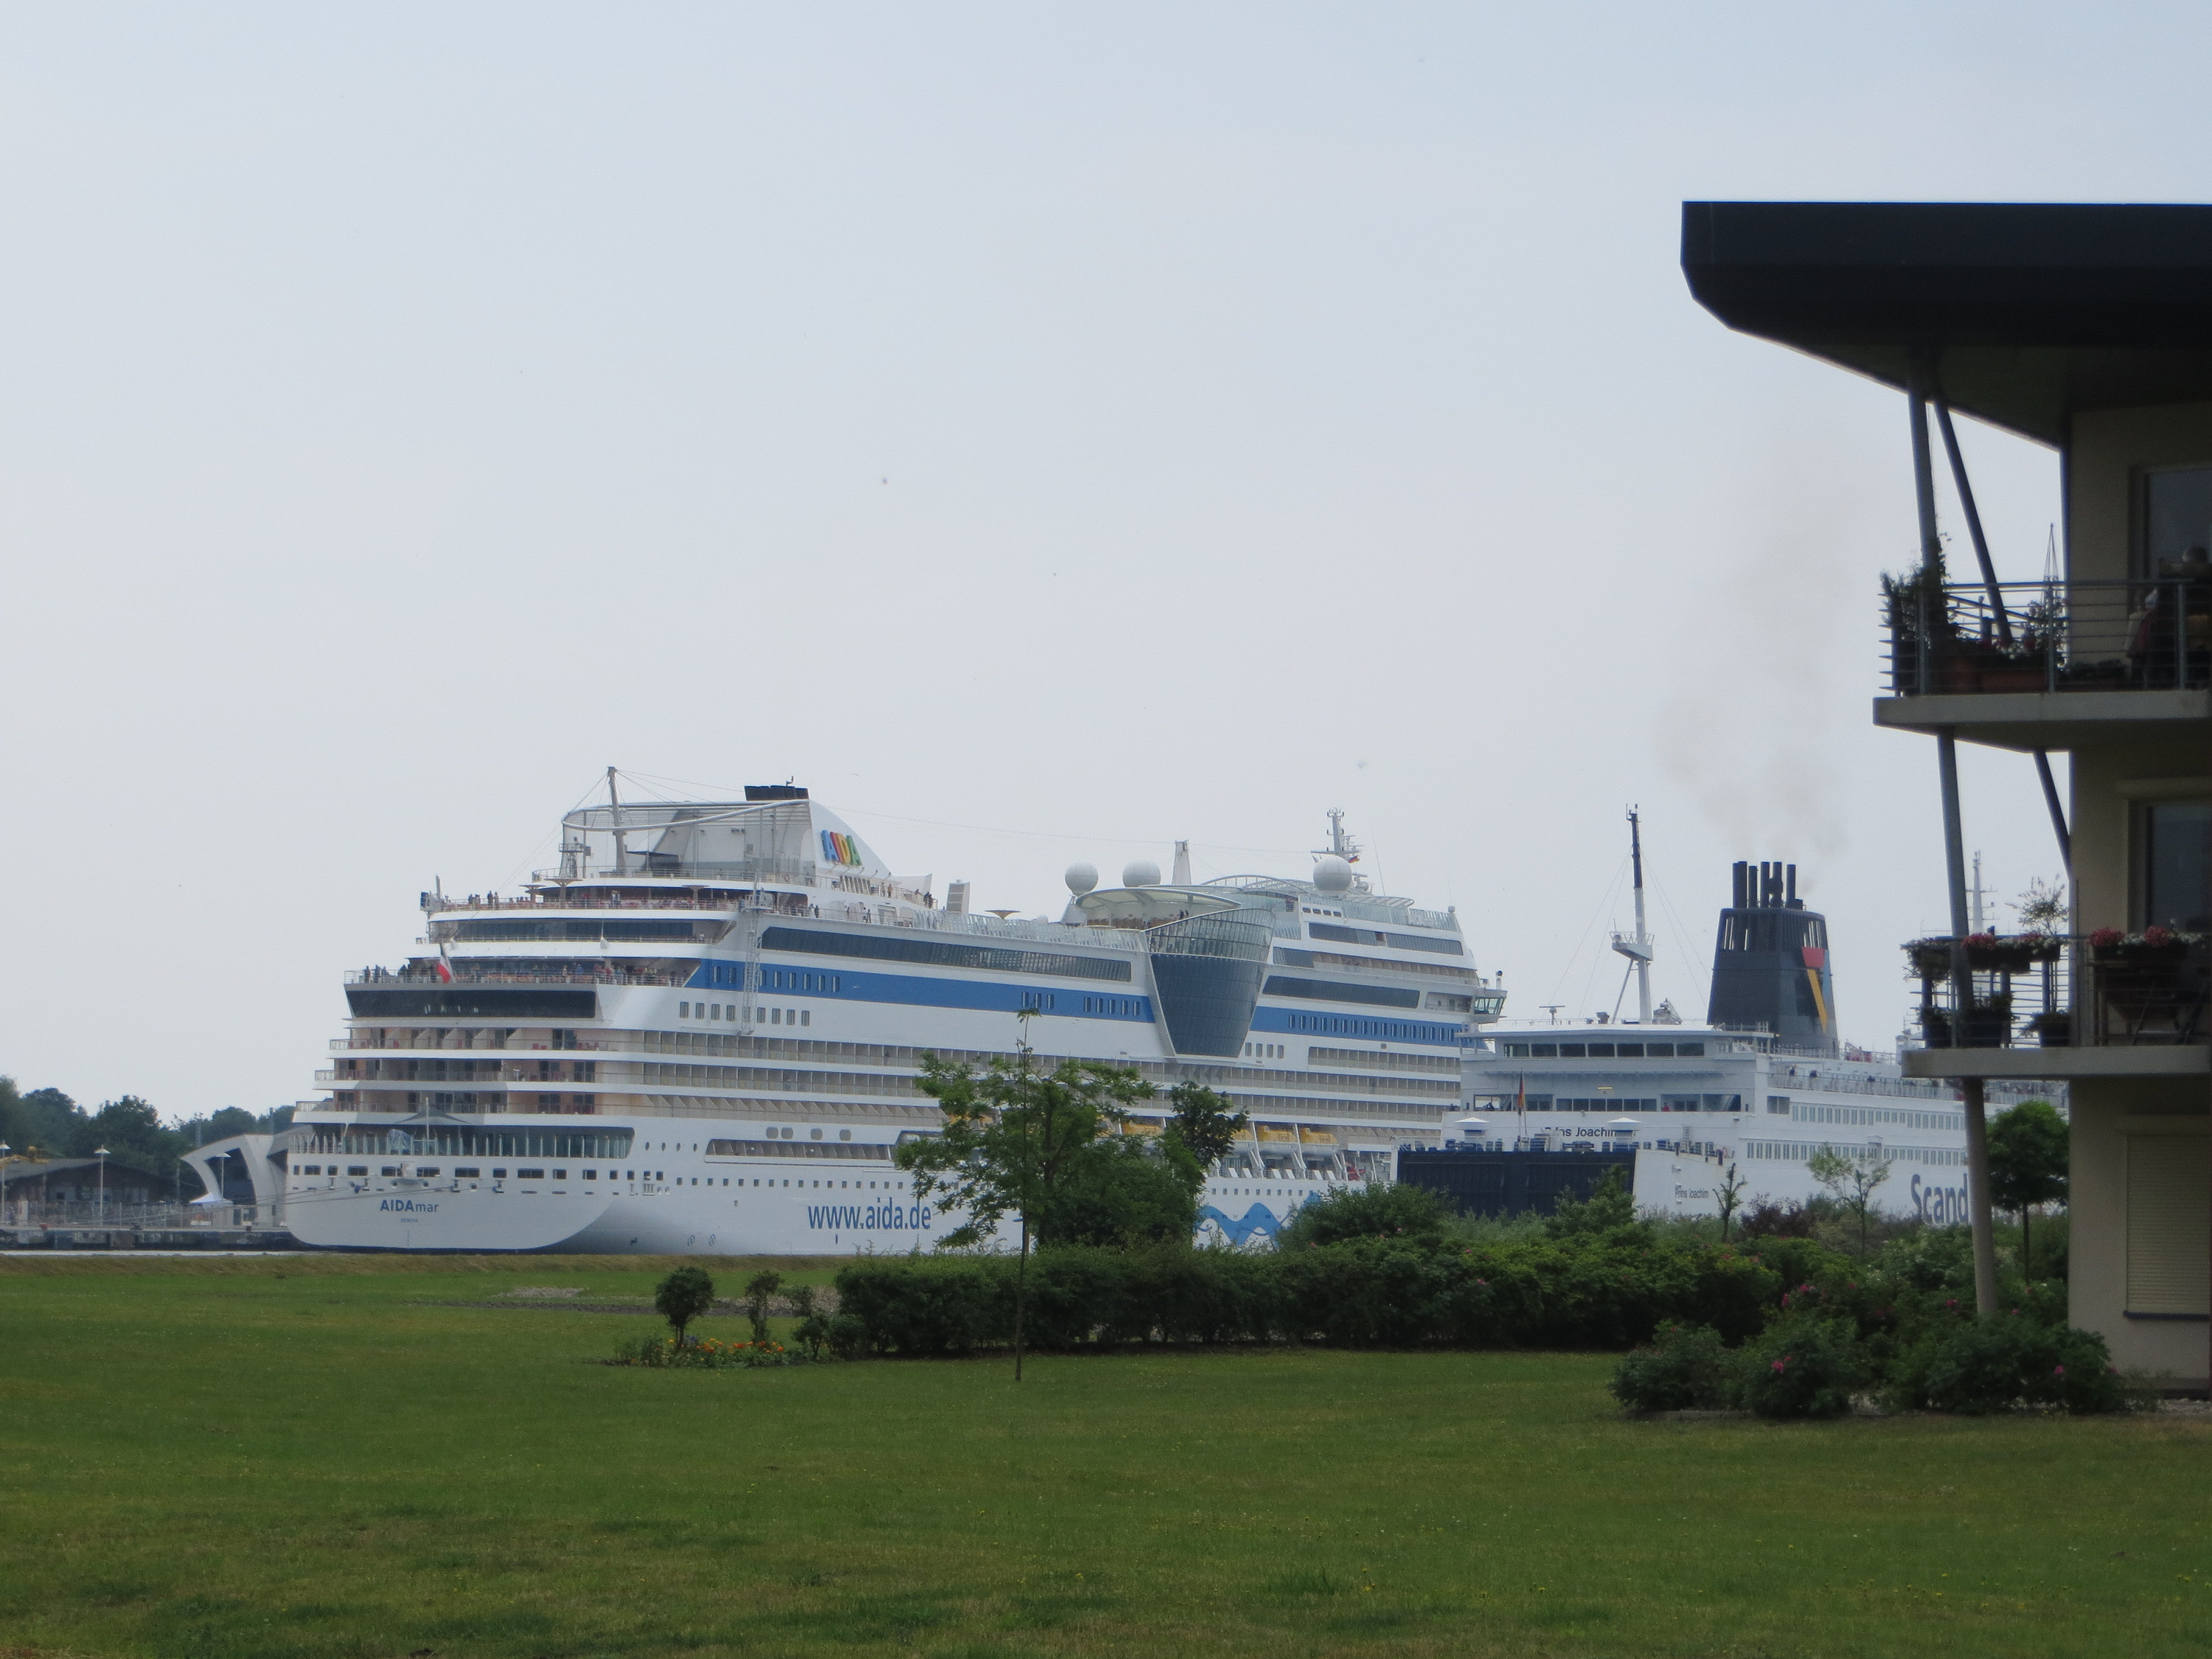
{"type": "Point", "coordinates": [1610, 1210]}
{"type": "Point", "coordinates": [2028, 1163]}
{"type": "Point", "coordinates": [1852, 1178]}
{"type": "Point", "coordinates": [1023, 1142]}
{"type": "Point", "coordinates": [47, 1123]}
{"type": "Point", "coordinates": [682, 1296]}
{"type": "Point", "coordinates": [760, 1289]}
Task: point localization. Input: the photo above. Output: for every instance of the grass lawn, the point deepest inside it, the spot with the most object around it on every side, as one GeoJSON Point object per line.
{"type": "Point", "coordinates": [328, 1456]}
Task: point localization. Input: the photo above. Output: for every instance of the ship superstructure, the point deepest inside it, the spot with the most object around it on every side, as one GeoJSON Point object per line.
{"type": "Point", "coordinates": [700, 1032]}
{"type": "Point", "coordinates": [1763, 1085]}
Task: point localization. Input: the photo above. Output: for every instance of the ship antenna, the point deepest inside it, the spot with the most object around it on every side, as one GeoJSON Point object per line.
{"type": "Point", "coordinates": [1636, 946]}
{"type": "Point", "coordinates": [621, 849]}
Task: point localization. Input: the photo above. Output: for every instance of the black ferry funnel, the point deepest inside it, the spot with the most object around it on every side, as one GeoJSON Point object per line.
{"type": "Point", "coordinates": [1771, 970]}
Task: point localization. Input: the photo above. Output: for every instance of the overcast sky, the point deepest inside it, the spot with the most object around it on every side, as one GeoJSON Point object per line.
{"type": "Point", "coordinates": [1044, 431]}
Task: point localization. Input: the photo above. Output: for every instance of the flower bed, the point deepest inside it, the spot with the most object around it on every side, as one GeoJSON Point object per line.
{"type": "Point", "coordinates": [702, 1353]}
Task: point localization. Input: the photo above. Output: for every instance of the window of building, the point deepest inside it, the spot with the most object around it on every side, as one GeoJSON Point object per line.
{"type": "Point", "coordinates": [2176, 838]}
{"type": "Point", "coordinates": [2175, 512]}
{"type": "Point", "coordinates": [2169, 1224]}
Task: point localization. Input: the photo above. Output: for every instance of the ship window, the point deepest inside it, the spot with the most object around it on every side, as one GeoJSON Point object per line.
{"type": "Point", "coordinates": [388, 1169]}
{"type": "Point", "coordinates": [775, 1015]}
{"type": "Point", "coordinates": [1571, 1051]}
{"type": "Point", "coordinates": [1778, 1104]}
{"type": "Point", "coordinates": [1598, 1050]}
{"type": "Point", "coordinates": [530, 1175]}
{"type": "Point", "coordinates": [806, 1016]}
{"type": "Point", "coordinates": [1659, 1050]}
{"type": "Point", "coordinates": [499, 1174]}
{"type": "Point", "coordinates": [426, 1169]}
{"type": "Point", "coordinates": [560, 1175]}
{"type": "Point", "coordinates": [683, 1011]}
{"type": "Point", "coordinates": [591, 1174]}
{"type": "Point", "coordinates": [354, 1168]}
{"type": "Point", "coordinates": [466, 1174]}
{"type": "Point", "coordinates": [1689, 1050]}
{"type": "Point", "coordinates": [714, 1011]}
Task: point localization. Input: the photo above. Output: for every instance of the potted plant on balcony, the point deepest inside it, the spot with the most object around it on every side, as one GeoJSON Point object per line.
{"type": "Point", "coordinates": [1987, 1025]}
{"type": "Point", "coordinates": [2152, 986]}
{"type": "Point", "coordinates": [2152, 944]}
{"type": "Point", "coordinates": [1923, 639]}
{"type": "Point", "coordinates": [1931, 957]}
{"type": "Point", "coordinates": [2014, 953]}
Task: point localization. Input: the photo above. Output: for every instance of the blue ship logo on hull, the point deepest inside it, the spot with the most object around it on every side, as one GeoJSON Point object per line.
{"type": "Point", "coordinates": [1257, 1219]}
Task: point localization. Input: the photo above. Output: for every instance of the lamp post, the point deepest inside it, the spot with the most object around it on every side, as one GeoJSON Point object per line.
{"type": "Point", "coordinates": [100, 1152]}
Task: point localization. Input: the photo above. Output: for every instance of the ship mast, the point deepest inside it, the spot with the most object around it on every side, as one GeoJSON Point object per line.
{"type": "Point", "coordinates": [1636, 946]}
{"type": "Point", "coordinates": [614, 805]}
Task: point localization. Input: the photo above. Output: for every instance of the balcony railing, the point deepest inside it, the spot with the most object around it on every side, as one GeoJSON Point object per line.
{"type": "Point", "coordinates": [2103, 990]}
{"type": "Point", "coordinates": [2153, 635]}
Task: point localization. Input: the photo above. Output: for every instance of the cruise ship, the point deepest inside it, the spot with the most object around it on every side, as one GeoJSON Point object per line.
{"type": "Point", "coordinates": [1752, 1091]}
{"type": "Point", "coordinates": [700, 1033]}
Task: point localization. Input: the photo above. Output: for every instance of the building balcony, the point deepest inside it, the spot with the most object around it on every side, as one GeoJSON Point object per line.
{"type": "Point", "coordinates": [2049, 1007]}
{"type": "Point", "coordinates": [2050, 664]}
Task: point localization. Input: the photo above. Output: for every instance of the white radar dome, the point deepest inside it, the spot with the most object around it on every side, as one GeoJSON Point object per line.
{"type": "Point", "coordinates": [1081, 878]}
{"type": "Point", "coordinates": [1332, 874]}
{"type": "Point", "coordinates": [1140, 872]}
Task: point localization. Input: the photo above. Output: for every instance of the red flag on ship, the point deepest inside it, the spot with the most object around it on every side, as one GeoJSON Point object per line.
{"type": "Point", "coordinates": [443, 966]}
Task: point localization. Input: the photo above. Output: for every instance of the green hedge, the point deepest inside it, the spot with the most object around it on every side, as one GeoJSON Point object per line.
{"type": "Point", "coordinates": [1570, 1293]}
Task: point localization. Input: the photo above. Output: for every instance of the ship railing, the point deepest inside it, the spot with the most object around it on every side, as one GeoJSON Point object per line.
{"type": "Point", "coordinates": [2146, 634]}
{"type": "Point", "coordinates": [794, 872]}
{"type": "Point", "coordinates": [2105, 989]}
{"type": "Point", "coordinates": [393, 977]}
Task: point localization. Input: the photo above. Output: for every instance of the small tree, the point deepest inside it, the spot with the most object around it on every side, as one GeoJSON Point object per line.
{"type": "Point", "coordinates": [682, 1296]}
{"type": "Point", "coordinates": [1013, 1137]}
{"type": "Point", "coordinates": [1850, 1179]}
{"type": "Point", "coordinates": [1203, 1124]}
{"type": "Point", "coordinates": [1610, 1207]}
{"type": "Point", "coordinates": [2027, 1165]}
{"type": "Point", "coordinates": [758, 1288]}
{"type": "Point", "coordinates": [1731, 1199]}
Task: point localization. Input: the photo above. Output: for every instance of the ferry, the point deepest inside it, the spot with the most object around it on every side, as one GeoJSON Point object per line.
{"type": "Point", "coordinates": [1740, 1102]}
{"type": "Point", "coordinates": [701, 1032]}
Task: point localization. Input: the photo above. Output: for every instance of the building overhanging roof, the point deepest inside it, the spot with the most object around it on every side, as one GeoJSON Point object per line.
{"type": "Point", "coordinates": [2030, 312]}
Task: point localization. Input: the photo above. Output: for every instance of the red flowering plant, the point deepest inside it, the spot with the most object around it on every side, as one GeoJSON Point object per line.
{"type": "Point", "coordinates": [2154, 942]}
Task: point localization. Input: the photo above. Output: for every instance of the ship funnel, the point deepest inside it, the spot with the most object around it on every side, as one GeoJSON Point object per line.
{"type": "Point", "coordinates": [1770, 969]}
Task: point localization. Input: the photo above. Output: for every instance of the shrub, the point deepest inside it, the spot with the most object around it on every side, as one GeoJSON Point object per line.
{"type": "Point", "coordinates": [2007, 1363]}
{"type": "Point", "coordinates": [1373, 1209]}
{"type": "Point", "coordinates": [1802, 1366]}
{"type": "Point", "coordinates": [1685, 1367]}
{"type": "Point", "coordinates": [1586, 1292]}
{"type": "Point", "coordinates": [846, 1337]}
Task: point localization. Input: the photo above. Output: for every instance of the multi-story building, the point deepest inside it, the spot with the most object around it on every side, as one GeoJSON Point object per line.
{"type": "Point", "coordinates": [2088, 329]}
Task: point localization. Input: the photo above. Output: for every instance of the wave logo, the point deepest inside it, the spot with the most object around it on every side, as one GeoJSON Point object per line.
{"type": "Point", "coordinates": [870, 1218]}
{"type": "Point", "coordinates": [1257, 1219]}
